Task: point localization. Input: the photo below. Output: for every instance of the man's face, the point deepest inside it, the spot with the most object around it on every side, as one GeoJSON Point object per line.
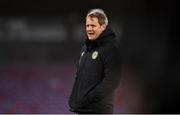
{"type": "Point", "coordinates": [93, 28]}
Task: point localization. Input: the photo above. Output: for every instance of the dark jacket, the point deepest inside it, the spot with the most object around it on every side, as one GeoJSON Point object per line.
{"type": "Point", "coordinates": [96, 76]}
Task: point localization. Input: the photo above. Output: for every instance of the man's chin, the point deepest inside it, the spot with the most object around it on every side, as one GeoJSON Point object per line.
{"type": "Point", "coordinates": [91, 38]}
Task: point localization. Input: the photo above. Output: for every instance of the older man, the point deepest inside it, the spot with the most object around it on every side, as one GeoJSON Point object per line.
{"type": "Point", "coordinates": [96, 76]}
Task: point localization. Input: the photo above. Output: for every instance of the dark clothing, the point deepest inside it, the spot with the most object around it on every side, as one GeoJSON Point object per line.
{"type": "Point", "coordinates": [96, 77]}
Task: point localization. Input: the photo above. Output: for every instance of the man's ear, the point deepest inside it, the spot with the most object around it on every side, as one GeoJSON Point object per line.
{"type": "Point", "coordinates": [104, 26]}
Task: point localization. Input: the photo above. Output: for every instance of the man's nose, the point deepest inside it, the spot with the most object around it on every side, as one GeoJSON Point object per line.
{"type": "Point", "coordinates": [89, 28]}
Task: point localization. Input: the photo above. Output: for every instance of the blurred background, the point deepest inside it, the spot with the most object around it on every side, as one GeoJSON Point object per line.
{"type": "Point", "coordinates": [40, 42]}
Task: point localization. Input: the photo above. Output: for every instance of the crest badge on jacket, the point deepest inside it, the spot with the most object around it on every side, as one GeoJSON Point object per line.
{"type": "Point", "coordinates": [94, 54]}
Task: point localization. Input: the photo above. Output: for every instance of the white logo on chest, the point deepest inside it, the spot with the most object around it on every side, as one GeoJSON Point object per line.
{"type": "Point", "coordinates": [94, 54]}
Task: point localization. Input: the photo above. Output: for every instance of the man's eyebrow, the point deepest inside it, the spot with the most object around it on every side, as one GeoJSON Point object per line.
{"type": "Point", "coordinates": [91, 24]}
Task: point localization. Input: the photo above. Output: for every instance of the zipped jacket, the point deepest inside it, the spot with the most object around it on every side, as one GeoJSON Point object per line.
{"type": "Point", "coordinates": [97, 75]}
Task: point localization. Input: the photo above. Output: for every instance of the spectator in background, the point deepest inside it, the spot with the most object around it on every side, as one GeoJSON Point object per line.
{"type": "Point", "coordinates": [96, 76]}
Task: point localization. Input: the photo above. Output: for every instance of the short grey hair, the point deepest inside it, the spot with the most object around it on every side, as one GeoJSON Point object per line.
{"type": "Point", "coordinates": [100, 14]}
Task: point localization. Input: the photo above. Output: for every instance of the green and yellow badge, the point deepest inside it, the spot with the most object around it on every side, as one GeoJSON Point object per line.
{"type": "Point", "coordinates": [94, 54]}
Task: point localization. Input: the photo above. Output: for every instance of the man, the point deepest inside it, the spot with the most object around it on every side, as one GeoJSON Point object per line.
{"type": "Point", "coordinates": [96, 76]}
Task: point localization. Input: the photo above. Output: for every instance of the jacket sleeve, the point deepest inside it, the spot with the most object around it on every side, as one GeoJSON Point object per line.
{"type": "Point", "coordinates": [111, 65]}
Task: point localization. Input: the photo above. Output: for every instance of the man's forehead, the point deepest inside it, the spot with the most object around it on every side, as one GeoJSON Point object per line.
{"type": "Point", "coordinates": [88, 18]}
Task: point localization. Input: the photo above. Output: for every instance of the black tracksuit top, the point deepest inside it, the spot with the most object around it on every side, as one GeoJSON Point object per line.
{"type": "Point", "coordinates": [96, 77]}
